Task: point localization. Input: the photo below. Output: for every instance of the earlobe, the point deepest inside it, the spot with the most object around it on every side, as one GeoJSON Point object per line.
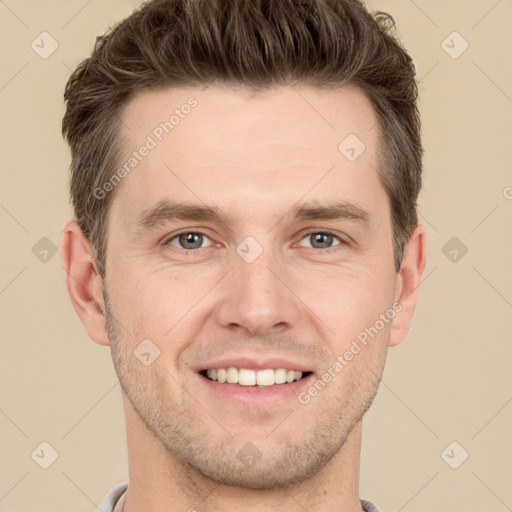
{"type": "Point", "coordinates": [407, 283]}
{"type": "Point", "coordinates": [83, 282]}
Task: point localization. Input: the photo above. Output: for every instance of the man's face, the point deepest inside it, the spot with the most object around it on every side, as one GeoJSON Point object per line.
{"type": "Point", "coordinates": [258, 288]}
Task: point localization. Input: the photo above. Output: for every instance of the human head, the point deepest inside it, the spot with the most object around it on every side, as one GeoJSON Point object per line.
{"type": "Point", "coordinates": [246, 157]}
{"type": "Point", "coordinates": [257, 45]}
{"type": "Point", "coordinates": [251, 173]}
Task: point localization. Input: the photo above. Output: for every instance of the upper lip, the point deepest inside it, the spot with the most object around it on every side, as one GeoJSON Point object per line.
{"type": "Point", "coordinates": [255, 363]}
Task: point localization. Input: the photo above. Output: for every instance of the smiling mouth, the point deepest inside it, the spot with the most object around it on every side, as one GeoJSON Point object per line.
{"type": "Point", "coordinates": [255, 378]}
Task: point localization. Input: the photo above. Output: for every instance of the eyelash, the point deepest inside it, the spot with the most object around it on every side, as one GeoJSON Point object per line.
{"type": "Point", "coordinates": [304, 235]}
{"type": "Point", "coordinates": [324, 232]}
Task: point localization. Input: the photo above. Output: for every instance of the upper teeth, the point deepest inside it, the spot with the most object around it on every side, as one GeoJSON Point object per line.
{"type": "Point", "coordinates": [245, 377]}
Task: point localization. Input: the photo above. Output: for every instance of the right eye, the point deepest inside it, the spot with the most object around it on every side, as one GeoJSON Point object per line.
{"type": "Point", "coordinates": [188, 240]}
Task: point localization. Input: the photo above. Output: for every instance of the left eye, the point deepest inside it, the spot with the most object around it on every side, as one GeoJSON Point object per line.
{"type": "Point", "coordinates": [321, 239]}
{"type": "Point", "coordinates": [188, 240]}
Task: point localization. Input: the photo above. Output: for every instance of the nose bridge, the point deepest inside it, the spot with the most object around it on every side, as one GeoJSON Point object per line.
{"type": "Point", "coordinates": [256, 297]}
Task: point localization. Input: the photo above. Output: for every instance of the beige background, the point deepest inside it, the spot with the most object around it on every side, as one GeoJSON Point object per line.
{"type": "Point", "coordinates": [451, 380]}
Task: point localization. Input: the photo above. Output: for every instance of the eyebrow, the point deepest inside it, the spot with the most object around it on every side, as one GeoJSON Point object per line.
{"type": "Point", "coordinates": [166, 211]}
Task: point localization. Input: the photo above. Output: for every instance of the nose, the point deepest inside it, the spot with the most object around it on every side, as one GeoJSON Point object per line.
{"type": "Point", "coordinates": [258, 297]}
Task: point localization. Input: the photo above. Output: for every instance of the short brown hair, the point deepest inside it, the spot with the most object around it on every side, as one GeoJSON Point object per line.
{"type": "Point", "coordinates": [256, 44]}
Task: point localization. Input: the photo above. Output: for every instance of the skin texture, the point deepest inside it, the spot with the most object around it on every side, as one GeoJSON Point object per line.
{"type": "Point", "coordinates": [253, 156]}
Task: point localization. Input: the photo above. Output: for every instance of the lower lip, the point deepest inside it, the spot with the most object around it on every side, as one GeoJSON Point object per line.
{"type": "Point", "coordinates": [257, 396]}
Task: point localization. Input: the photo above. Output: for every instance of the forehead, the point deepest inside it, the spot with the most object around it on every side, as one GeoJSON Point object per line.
{"type": "Point", "coordinates": [220, 142]}
{"type": "Point", "coordinates": [252, 119]}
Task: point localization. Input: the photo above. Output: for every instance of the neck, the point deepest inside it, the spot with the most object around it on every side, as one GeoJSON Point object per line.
{"type": "Point", "coordinates": [159, 481]}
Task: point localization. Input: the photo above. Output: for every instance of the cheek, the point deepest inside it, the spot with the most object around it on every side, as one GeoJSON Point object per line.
{"type": "Point", "coordinates": [161, 306]}
{"type": "Point", "coordinates": [349, 300]}
{"type": "Point", "coordinates": [138, 304]}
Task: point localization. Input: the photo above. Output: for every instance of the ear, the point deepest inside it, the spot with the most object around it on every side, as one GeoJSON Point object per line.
{"type": "Point", "coordinates": [83, 282]}
{"type": "Point", "coordinates": [407, 283]}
